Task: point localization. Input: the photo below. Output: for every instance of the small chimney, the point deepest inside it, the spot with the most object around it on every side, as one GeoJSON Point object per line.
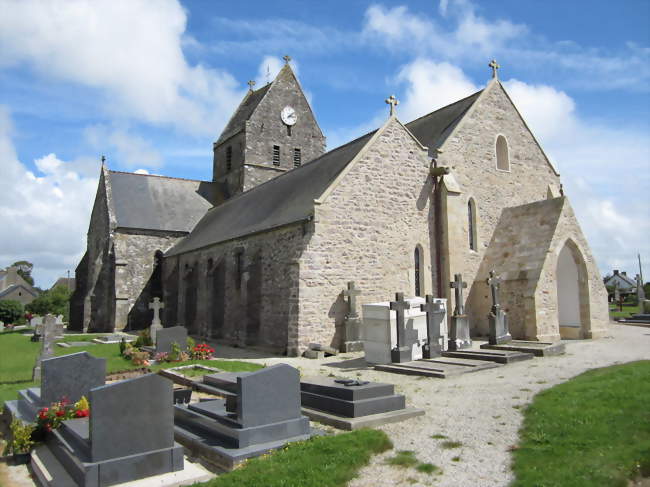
{"type": "Point", "coordinates": [615, 271]}
{"type": "Point", "coordinates": [624, 273]}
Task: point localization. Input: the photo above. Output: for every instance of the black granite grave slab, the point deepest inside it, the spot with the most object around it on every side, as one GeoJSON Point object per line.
{"type": "Point", "coordinates": [353, 409]}
{"type": "Point", "coordinates": [71, 376]}
{"type": "Point", "coordinates": [328, 387]}
{"type": "Point", "coordinates": [166, 336]}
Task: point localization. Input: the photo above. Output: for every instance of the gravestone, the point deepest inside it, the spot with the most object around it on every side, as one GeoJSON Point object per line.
{"type": "Point", "coordinates": [71, 376]}
{"type": "Point", "coordinates": [402, 352]}
{"type": "Point", "coordinates": [352, 333]}
{"type": "Point", "coordinates": [129, 435]}
{"type": "Point", "coordinates": [459, 331]}
{"type": "Point", "coordinates": [498, 320]}
{"type": "Point", "coordinates": [166, 336]}
{"type": "Point", "coordinates": [156, 324]}
{"type": "Point", "coordinates": [49, 335]}
{"type": "Point", "coordinates": [352, 404]}
{"type": "Point", "coordinates": [640, 292]}
{"type": "Point", "coordinates": [261, 412]}
{"type": "Point", "coordinates": [436, 314]}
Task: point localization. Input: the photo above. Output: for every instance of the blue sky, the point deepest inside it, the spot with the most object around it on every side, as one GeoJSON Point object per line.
{"type": "Point", "coordinates": [151, 85]}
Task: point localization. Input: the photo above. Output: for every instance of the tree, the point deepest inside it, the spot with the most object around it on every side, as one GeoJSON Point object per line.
{"type": "Point", "coordinates": [55, 301]}
{"type": "Point", "coordinates": [25, 270]}
{"type": "Point", "coordinates": [10, 311]}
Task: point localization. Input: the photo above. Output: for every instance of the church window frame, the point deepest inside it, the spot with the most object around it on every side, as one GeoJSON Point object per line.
{"type": "Point", "coordinates": [472, 236]}
{"type": "Point", "coordinates": [276, 155]}
{"type": "Point", "coordinates": [502, 153]}
{"type": "Point", "coordinates": [228, 158]}
{"type": "Point", "coordinates": [297, 157]}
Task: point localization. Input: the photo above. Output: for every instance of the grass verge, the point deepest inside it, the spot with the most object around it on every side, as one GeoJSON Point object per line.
{"type": "Point", "coordinates": [326, 461]}
{"type": "Point", "coordinates": [593, 430]}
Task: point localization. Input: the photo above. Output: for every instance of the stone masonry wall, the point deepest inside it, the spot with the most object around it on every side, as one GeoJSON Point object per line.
{"type": "Point", "coordinates": [259, 302]}
{"type": "Point", "coordinates": [594, 313]}
{"type": "Point", "coordinates": [135, 258]}
{"type": "Point", "coordinates": [366, 231]}
{"type": "Point", "coordinates": [470, 154]}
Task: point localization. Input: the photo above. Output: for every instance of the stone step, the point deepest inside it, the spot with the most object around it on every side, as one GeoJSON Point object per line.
{"type": "Point", "coordinates": [48, 470]}
{"type": "Point", "coordinates": [539, 349]}
{"type": "Point", "coordinates": [498, 356]}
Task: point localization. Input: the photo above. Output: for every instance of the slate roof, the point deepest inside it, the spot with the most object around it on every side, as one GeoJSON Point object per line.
{"type": "Point", "coordinates": [13, 287]}
{"type": "Point", "coordinates": [150, 202]}
{"type": "Point", "coordinates": [434, 128]}
{"type": "Point", "coordinates": [243, 113]}
{"type": "Point", "coordinates": [285, 199]}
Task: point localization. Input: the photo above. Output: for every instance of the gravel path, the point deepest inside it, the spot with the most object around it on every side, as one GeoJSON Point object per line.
{"type": "Point", "coordinates": [481, 410]}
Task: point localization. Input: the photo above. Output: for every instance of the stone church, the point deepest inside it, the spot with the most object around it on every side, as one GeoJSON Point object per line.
{"type": "Point", "coordinates": [260, 255]}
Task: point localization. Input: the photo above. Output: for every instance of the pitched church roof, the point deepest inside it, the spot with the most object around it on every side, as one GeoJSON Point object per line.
{"type": "Point", "coordinates": [149, 202]}
{"type": "Point", "coordinates": [243, 113]}
{"type": "Point", "coordinates": [434, 128]}
{"type": "Point", "coordinates": [285, 199]}
{"type": "Point", "coordinates": [289, 198]}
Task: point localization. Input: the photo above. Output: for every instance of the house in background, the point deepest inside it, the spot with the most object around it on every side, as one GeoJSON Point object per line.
{"type": "Point", "coordinates": [14, 287]}
{"type": "Point", "coordinates": [626, 285]}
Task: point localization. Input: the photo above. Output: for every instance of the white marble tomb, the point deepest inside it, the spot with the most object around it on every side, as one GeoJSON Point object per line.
{"type": "Point", "coordinates": [380, 329]}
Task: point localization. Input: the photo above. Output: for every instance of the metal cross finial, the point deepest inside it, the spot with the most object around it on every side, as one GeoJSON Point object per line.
{"type": "Point", "coordinates": [250, 84]}
{"type": "Point", "coordinates": [103, 159]}
{"type": "Point", "coordinates": [493, 64]}
{"type": "Point", "coordinates": [393, 102]}
{"type": "Point", "coordinates": [286, 58]}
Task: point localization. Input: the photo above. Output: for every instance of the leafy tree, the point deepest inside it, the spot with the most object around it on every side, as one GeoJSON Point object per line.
{"type": "Point", "coordinates": [11, 311]}
{"type": "Point", "coordinates": [25, 270]}
{"type": "Point", "coordinates": [55, 301]}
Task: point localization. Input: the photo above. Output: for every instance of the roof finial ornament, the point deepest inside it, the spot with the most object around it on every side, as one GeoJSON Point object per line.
{"type": "Point", "coordinates": [493, 64]}
{"type": "Point", "coordinates": [561, 189]}
{"type": "Point", "coordinates": [250, 84]}
{"type": "Point", "coordinates": [393, 102]}
{"type": "Point", "coordinates": [268, 74]}
{"type": "Point", "coordinates": [103, 159]}
{"type": "Point", "coordinates": [286, 58]}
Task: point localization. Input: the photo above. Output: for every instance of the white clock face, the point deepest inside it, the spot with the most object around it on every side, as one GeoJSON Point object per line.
{"type": "Point", "coordinates": [288, 115]}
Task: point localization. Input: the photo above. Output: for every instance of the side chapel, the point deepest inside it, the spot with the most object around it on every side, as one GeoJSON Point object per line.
{"type": "Point", "coordinates": [260, 255]}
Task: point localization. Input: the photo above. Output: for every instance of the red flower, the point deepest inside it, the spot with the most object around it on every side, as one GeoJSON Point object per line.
{"type": "Point", "coordinates": [60, 413]}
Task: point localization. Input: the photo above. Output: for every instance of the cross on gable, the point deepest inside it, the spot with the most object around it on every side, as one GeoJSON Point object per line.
{"type": "Point", "coordinates": [286, 58]}
{"type": "Point", "coordinates": [393, 102]}
{"type": "Point", "coordinates": [250, 84]}
{"type": "Point", "coordinates": [493, 64]}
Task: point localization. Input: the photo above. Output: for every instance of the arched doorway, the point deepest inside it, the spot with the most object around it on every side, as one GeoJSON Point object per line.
{"type": "Point", "coordinates": [570, 293]}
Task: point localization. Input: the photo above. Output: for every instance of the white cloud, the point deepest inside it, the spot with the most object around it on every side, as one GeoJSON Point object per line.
{"type": "Point", "coordinates": [130, 51]}
{"type": "Point", "coordinates": [141, 171]}
{"type": "Point", "coordinates": [44, 217]}
{"type": "Point", "coordinates": [431, 85]}
{"type": "Point", "coordinates": [131, 150]}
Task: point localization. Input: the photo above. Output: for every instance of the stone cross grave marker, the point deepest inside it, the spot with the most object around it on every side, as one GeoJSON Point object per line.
{"type": "Point", "coordinates": [402, 352]}
{"type": "Point", "coordinates": [458, 285]}
{"type": "Point", "coordinates": [498, 320]}
{"type": "Point", "coordinates": [48, 331]}
{"type": "Point", "coordinates": [351, 293]}
{"type": "Point", "coordinates": [435, 312]}
{"type": "Point", "coordinates": [156, 324]}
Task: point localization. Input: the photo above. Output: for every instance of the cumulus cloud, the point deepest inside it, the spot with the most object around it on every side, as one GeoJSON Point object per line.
{"type": "Point", "coordinates": [51, 205]}
{"type": "Point", "coordinates": [131, 150]}
{"type": "Point", "coordinates": [130, 51]}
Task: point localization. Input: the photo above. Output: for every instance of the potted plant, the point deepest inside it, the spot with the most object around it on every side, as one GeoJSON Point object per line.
{"type": "Point", "coordinates": [21, 441]}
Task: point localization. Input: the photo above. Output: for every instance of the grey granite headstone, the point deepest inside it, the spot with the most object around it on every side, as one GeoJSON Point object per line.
{"type": "Point", "coordinates": [166, 336]}
{"type": "Point", "coordinates": [131, 417]}
{"type": "Point", "coordinates": [49, 333]}
{"type": "Point", "coordinates": [269, 395]}
{"type": "Point", "coordinates": [71, 376]}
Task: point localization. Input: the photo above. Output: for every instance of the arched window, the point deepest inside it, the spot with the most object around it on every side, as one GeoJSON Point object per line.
{"type": "Point", "coordinates": [471, 224]}
{"type": "Point", "coordinates": [503, 158]}
{"type": "Point", "coordinates": [418, 274]}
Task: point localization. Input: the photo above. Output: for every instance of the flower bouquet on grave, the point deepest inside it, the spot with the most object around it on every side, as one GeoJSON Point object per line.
{"type": "Point", "coordinates": [50, 418]}
{"type": "Point", "coordinates": [140, 358]}
{"type": "Point", "coordinates": [202, 351]}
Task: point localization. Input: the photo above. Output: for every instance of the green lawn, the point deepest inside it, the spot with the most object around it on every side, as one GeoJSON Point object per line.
{"type": "Point", "coordinates": [591, 431]}
{"type": "Point", "coordinates": [326, 461]}
{"type": "Point", "coordinates": [18, 355]}
{"type": "Point", "coordinates": [627, 310]}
